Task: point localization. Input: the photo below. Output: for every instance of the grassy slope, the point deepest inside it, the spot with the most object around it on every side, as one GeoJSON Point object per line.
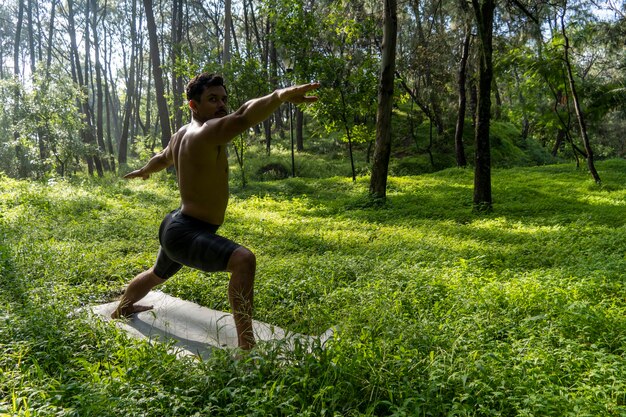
{"type": "Point", "coordinates": [441, 312]}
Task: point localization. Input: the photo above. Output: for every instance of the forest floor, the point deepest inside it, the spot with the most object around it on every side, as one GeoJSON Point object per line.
{"type": "Point", "coordinates": [440, 311]}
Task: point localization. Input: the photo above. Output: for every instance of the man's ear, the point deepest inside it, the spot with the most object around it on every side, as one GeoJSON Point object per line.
{"type": "Point", "coordinates": [192, 105]}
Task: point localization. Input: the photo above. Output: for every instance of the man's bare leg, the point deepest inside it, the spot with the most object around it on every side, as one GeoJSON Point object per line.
{"type": "Point", "coordinates": [138, 288]}
{"type": "Point", "coordinates": [242, 268]}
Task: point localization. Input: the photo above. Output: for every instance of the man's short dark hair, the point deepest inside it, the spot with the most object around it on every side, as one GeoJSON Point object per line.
{"type": "Point", "coordinates": [196, 86]}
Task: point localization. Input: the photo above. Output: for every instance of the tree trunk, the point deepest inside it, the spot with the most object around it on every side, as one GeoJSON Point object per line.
{"type": "Point", "coordinates": [228, 21]}
{"type": "Point", "coordinates": [382, 151]}
{"type": "Point", "coordinates": [86, 132]}
{"type": "Point", "coordinates": [22, 166]}
{"type": "Point", "coordinates": [50, 36]}
{"type": "Point", "coordinates": [579, 113]}
{"type": "Point", "coordinates": [484, 11]}
{"type": "Point", "coordinates": [157, 73]}
{"type": "Point", "coordinates": [461, 161]}
{"type": "Point", "coordinates": [122, 151]}
{"type": "Point", "coordinates": [299, 129]}
{"type": "Point", "coordinates": [99, 94]}
{"type": "Point", "coordinates": [31, 36]}
{"type": "Point", "coordinates": [176, 48]}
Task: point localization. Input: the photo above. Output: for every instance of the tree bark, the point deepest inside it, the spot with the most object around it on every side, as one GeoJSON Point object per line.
{"type": "Point", "coordinates": [382, 151]}
{"type": "Point", "coordinates": [176, 48]}
{"type": "Point", "coordinates": [122, 151]}
{"type": "Point", "coordinates": [228, 21]}
{"type": "Point", "coordinates": [99, 93]}
{"type": "Point", "coordinates": [461, 160]}
{"type": "Point", "coordinates": [157, 73]}
{"type": "Point", "coordinates": [22, 166]}
{"type": "Point", "coordinates": [484, 11]}
{"type": "Point", "coordinates": [299, 129]}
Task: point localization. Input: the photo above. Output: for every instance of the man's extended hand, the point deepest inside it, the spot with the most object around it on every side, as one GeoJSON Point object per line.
{"type": "Point", "coordinates": [138, 173]}
{"type": "Point", "coordinates": [297, 93]}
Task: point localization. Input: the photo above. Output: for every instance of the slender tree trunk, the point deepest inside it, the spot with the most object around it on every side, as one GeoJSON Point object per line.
{"type": "Point", "coordinates": [299, 129]}
{"type": "Point", "coordinates": [114, 106]}
{"type": "Point", "coordinates": [560, 138]}
{"type": "Point", "coordinates": [157, 73]}
{"type": "Point", "coordinates": [99, 94]}
{"type": "Point", "coordinates": [484, 11]}
{"type": "Point", "coordinates": [50, 37]}
{"type": "Point", "coordinates": [122, 150]}
{"type": "Point", "coordinates": [176, 49]}
{"type": "Point", "coordinates": [434, 109]}
{"type": "Point", "coordinates": [382, 151]}
{"type": "Point", "coordinates": [473, 102]}
{"type": "Point", "coordinates": [31, 36]}
{"type": "Point", "coordinates": [461, 161]}
{"type": "Point", "coordinates": [87, 133]}
{"type": "Point", "coordinates": [496, 94]}
{"type": "Point", "coordinates": [579, 113]}
{"type": "Point", "coordinates": [228, 21]}
{"type": "Point", "coordinates": [344, 118]}
{"type": "Point", "coordinates": [22, 166]}
{"type": "Point", "coordinates": [41, 131]}
{"type": "Point", "coordinates": [267, 63]}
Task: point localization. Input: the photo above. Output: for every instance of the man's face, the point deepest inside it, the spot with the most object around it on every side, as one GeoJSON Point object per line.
{"type": "Point", "coordinates": [212, 104]}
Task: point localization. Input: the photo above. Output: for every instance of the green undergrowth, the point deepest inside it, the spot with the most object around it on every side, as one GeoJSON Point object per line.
{"type": "Point", "coordinates": [438, 311]}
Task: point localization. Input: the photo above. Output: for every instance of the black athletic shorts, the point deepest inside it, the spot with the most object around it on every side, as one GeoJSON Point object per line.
{"type": "Point", "coordinates": [188, 241]}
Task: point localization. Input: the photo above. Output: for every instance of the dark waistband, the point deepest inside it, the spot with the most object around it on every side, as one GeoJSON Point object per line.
{"type": "Point", "coordinates": [200, 223]}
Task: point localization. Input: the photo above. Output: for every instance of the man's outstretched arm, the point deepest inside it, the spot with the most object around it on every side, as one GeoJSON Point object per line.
{"type": "Point", "coordinates": [224, 129]}
{"type": "Point", "coordinates": [157, 163]}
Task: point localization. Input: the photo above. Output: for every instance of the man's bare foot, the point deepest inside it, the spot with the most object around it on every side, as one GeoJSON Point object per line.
{"type": "Point", "coordinates": [129, 310]}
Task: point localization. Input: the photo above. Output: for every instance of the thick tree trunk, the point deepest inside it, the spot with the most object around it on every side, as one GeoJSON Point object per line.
{"type": "Point", "coordinates": [484, 11]}
{"type": "Point", "coordinates": [382, 151]}
{"type": "Point", "coordinates": [157, 73]}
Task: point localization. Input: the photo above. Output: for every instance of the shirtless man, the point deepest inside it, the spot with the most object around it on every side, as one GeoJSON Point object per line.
{"type": "Point", "coordinates": [188, 234]}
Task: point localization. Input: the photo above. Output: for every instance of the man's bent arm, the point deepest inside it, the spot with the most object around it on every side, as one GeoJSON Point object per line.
{"type": "Point", "coordinates": [157, 163]}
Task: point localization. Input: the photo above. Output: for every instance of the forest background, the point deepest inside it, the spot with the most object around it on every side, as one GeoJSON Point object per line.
{"type": "Point", "coordinates": [440, 309]}
{"type": "Point", "coordinates": [85, 84]}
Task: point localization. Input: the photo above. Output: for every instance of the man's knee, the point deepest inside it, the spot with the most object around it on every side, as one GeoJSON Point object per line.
{"type": "Point", "coordinates": [242, 259]}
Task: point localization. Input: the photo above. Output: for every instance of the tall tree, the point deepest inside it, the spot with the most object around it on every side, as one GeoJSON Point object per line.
{"type": "Point", "coordinates": [459, 147]}
{"type": "Point", "coordinates": [93, 160]}
{"type": "Point", "coordinates": [157, 73]}
{"type": "Point", "coordinates": [382, 151]}
{"type": "Point", "coordinates": [19, 151]}
{"type": "Point", "coordinates": [579, 112]}
{"type": "Point", "coordinates": [99, 99]}
{"type": "Point", "coordinates": [176, 60]}
{"type": "Point", "coordinates": [130, 89]}
{"type": "Point", "coordinates": [484, 13]}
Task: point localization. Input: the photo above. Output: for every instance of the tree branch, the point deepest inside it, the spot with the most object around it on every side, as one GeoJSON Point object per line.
{"type": "Point", "coordinates": [525, 11]}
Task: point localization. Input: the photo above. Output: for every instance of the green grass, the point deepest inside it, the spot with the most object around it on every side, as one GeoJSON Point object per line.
{"type": "Point", "coordinates": [440, 311]}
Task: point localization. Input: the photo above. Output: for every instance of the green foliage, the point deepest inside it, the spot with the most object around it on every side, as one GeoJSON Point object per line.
{"type": "Point", "coordinates": [439, 311]}
{"type": "Point", "coordinates": [47, 123]}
